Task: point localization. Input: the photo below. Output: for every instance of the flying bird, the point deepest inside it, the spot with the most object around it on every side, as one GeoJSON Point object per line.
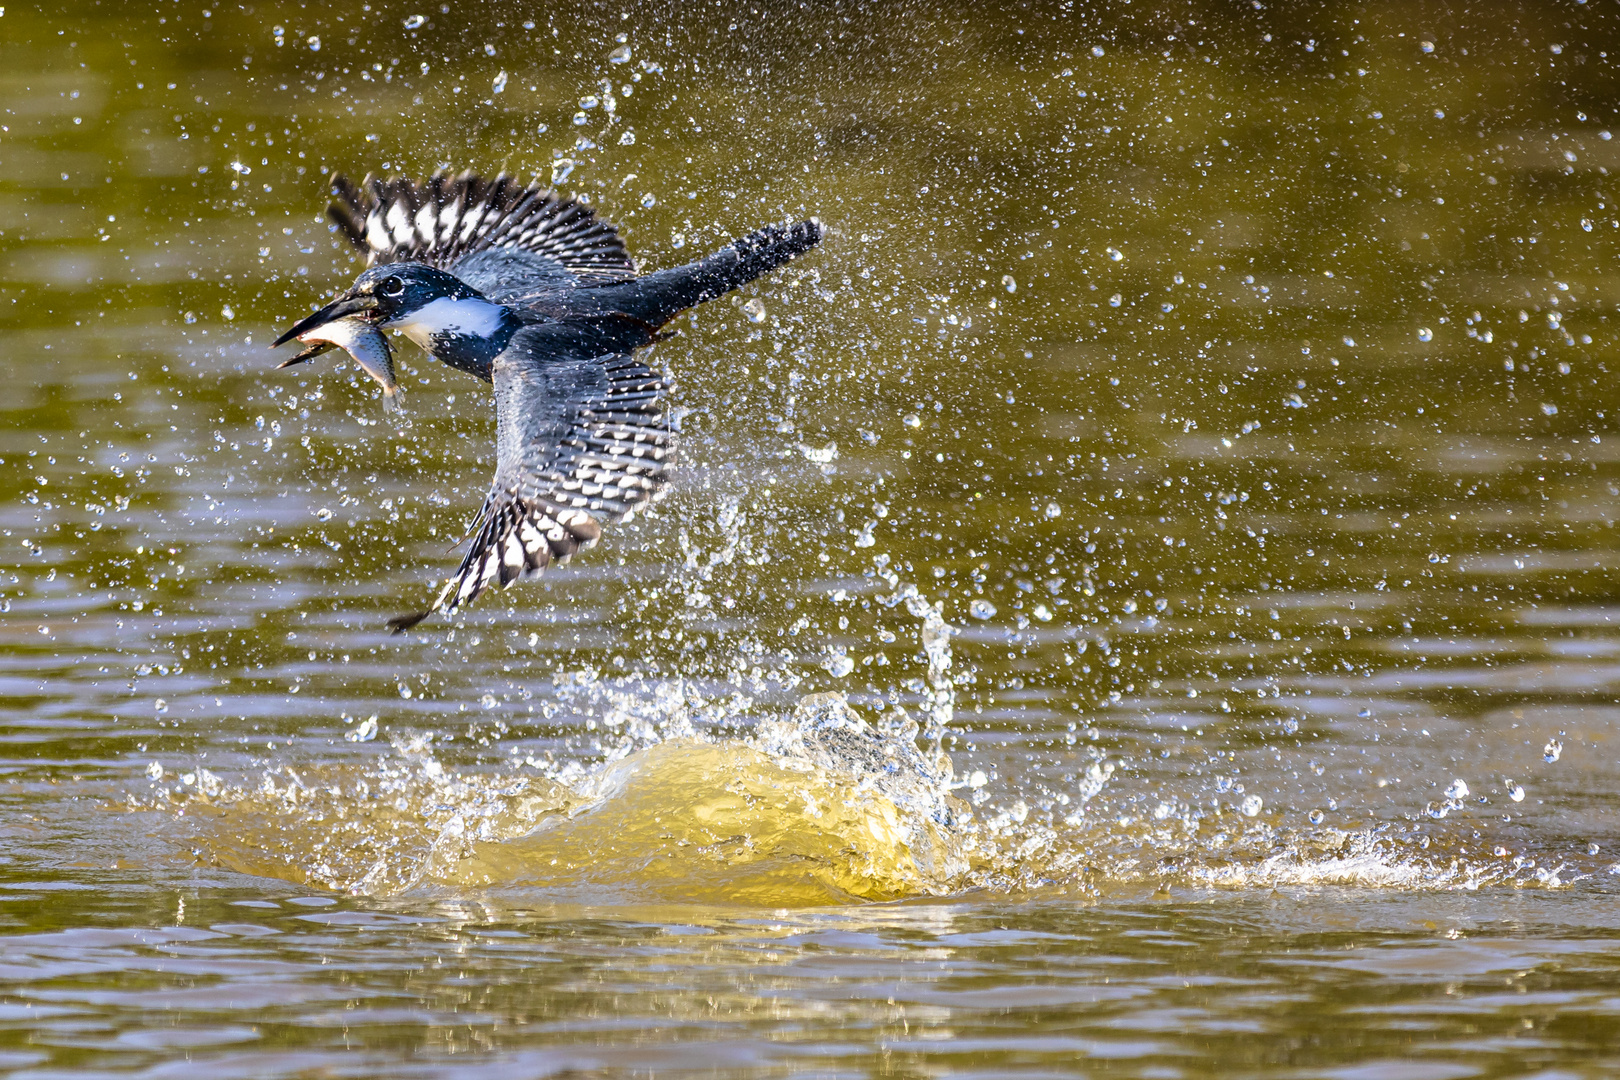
{"type": "Point", "coordinates": [530, 291]}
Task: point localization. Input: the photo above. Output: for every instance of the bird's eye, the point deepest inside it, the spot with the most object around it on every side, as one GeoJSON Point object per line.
{"type": "Point", "coordinates": [392, 286]}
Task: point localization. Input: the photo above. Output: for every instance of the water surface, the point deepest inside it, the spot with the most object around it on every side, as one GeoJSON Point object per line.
{"type": "Point", "coordinates": [1137, 600]}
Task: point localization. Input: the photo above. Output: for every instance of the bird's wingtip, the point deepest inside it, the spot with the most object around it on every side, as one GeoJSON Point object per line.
{"type": "Point", "coordinates": [401, 623]}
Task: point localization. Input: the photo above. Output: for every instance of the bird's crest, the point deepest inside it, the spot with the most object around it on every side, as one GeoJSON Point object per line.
{"type": "Point", "coordinates": [447, 218]}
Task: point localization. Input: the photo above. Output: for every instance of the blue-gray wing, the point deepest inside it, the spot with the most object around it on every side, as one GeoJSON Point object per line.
{"type": "Point", "coordinates": [505, 238]}
{"type": "Point", "coordinates": [581, 439]}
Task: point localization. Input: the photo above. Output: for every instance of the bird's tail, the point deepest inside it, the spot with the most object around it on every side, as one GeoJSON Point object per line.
{"type": "Point", "coordinates": [516, 538]}
{"type": "Point", "coordinates": [659, 297]}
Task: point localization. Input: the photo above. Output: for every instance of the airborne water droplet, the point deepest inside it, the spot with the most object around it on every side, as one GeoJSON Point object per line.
{"type": "Point", "coordinates": [982, 609]}
{"type": "Point", "coordinates": [1550, 752]}
{"type": "Point", "coordinates": [1514, 791]}
{"type": "Point", "coordinates": [323, 514]}
{"type": "Point", "coordinates": [499, 86]}
{"type": "Point", "coordinates": [1457, 790]}
{"type": "Point", "coordinates": [621, 55]}
{"type": "Point", "coordinates": [1252, 805]}
{"type": "Point", "coordinates": [1425, 334]}
{"type": "Point", "coordinates": [754, 309]}
{"type": "Point", "coordinates": [412, 22]}
{"type": "Point", "coordinates": [365, 732]}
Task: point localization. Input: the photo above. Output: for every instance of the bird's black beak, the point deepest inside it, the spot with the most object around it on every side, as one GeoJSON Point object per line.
{"type": "Point", "coordinates": [337, 309]}
{"type": "Point", "coordinates": [307, 355]}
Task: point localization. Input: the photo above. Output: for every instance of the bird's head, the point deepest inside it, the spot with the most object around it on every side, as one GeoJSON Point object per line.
{"type": "Point", "coordinates": [390, 295]}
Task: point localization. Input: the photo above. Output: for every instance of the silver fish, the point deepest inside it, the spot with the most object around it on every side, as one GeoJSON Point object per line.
{"type": "Point", "coordinates": [366, 344]}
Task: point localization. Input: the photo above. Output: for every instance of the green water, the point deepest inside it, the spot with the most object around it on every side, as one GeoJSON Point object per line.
{"type": "Point", "coordinates": [1197, 419]}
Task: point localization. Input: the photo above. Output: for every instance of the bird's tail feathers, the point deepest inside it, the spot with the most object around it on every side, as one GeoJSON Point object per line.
{"type": "Point", "coordinates": [660, 296]}
{"type": "Point", "coordinates": [515, 540]}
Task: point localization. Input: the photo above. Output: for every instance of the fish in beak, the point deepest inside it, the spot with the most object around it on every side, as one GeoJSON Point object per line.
{"type": "Point", "coordinates": [348, 324]}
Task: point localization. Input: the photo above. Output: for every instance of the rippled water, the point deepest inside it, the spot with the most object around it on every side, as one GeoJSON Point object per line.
{"type": "Point", "coordinates": [1137, 600]}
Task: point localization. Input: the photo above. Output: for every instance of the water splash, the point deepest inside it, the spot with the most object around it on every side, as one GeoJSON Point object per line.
{"type": "Point", "coordinates": [818, 806]}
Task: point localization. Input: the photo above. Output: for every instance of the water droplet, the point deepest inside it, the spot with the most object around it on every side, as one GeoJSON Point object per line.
{"type": "Point", "coordinates": [160, 706]}
{"type": "Point", "coordinates": [405, 692]}
{"type": "Point", "coordinates": [1426, 46]}
{"type": "Point", "coordinates": [580, 120]}
{"type": "Point", "coordinates": [820, 455]}
{"type": "Point", "coordinates": [1551, 751]}
{"type": "Point", "coordinates": [755, 310]}
{"type": "Point", "coordinates": [589, 101]}
{"type": "Point", "coordinates": [1115, 255]}
{"type": "Point", "coordinates": [1586, 224]}
{"type": "Point", "coordinates": [365, 732]}
{"type": "Point", "coordinates": [1252, 805]}
{"type": "Point", "coordinates": [1437, 810]}
{"type": "Point", "coordinates": [982, 609]}
{"type": "Point", "coordinates": [190, 316]}
{"type": "Point", "coordinates": [488, 701]}
{"type": "Point", "coordinates": [912, 420]}
{"type": "Point", "coordinates": [1593, 849]}
{"type": "Point", "coordinates": [1457, 790]}
{"type": "Point", "coordinates": [499, 85]}
{"type": "Point", "coordinates": [621, 55]}
{"type": "Point", "coordinates": [155, 770]}
{"type": "Point", "coordinates": [1115, 300]}
{"type": "Point", "coordinates": [839, 666]}
{"type": "Point", "coordinates": [1425, 334]}
{"type": "Point", "coordinates": [1514, 791]}
{"type": "Point", "coordinates": [627, 139]}
{"type": "Point", "coordinates": [1053, 510]}
{"type": "Point", "coordinates": [1549, 409]}
{"type": "Point", "coordinates": [1315, 817]}
{"type": "Point", "coordinates": [1350, 342]}
{"type": "Point", "coordinates": [1009, 282]}
{"type": "Point", "coordinates": [314, 41]}
{"type": "Point", "coordinates": [227, 313]}
{"type": "Point", "coordinates": [413, 22]}
{"type": "Point", "coordinates": [323, 514]}
{"type": "Point", "coordinates": [649, 200]}
{"type": "Point", "coordinates": [1096, 50]}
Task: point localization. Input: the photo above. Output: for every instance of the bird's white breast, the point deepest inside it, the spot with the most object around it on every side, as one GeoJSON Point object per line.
{"type": "Point", "coordinates": [468, 317]}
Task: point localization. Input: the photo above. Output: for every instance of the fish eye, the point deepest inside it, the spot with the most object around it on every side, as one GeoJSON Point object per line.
{"type": "Point", "coordinates": [392, 286]}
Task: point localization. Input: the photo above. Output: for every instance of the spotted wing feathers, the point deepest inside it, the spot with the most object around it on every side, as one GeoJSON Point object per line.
{"type": "Point", "coordinates": [581, 440]}
{"type": "Point", "coordinates": [447, 218]}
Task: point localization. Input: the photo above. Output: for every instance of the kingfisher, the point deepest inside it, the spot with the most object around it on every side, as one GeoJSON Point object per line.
{"type": "Point", "coordinates": [531, 292]}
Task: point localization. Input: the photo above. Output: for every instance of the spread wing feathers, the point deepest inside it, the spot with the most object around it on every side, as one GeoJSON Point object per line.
{"type": "Point", "coordinates": [448, 218]}
{"type": "Point", "coordinates": [580, 439]}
